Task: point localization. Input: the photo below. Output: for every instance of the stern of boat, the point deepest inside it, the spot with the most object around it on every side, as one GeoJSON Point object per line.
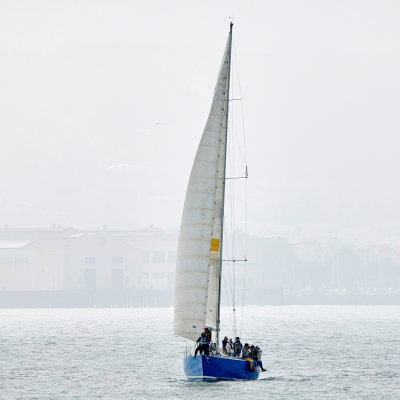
{"type": "Point", "coordinates": [218, 368]}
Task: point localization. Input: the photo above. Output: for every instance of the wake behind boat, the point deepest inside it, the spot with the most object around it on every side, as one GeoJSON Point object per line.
{"type": "Point", "coordinates": [199, 258]}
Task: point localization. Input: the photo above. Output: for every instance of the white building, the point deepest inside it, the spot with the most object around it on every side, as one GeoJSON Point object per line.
{"type": "Point", "coordinates": [139, 264]}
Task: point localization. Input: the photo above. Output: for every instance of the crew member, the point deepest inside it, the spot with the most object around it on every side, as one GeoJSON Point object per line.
{"type": "Point", "coordinates": [246, 356]}
{"type": "Point", "coordinates": [224, 343]}
{"type": "Point", "coordinates": [257, 357]}
{"type": "Point", "coordinates": [229, 348]}
{"type": "Point", "coordinates": [206, 343]}
{"type": "Point", "coordinates": [199, 347]}
{"type": "Point", "coordinates": [237, 347]}
{"type": "Point", "coordinates": [207, 332]}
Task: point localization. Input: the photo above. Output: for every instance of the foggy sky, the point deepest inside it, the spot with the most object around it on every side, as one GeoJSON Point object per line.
{"type": "Point", "coordinates": [84, 84]}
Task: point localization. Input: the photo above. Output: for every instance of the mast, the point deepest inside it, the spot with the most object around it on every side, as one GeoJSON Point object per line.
{"type": "Point", "coordinates": [223, 191]}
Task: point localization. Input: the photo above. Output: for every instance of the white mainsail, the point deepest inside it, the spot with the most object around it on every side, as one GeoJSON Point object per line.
{"type": "Point", "coordinates": [198, 266]}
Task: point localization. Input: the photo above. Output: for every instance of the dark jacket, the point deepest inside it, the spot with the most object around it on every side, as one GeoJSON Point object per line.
{"type": "Point", "coordinates": [207, 334]}
{"type": "Point", "coordinates": [237, 345]}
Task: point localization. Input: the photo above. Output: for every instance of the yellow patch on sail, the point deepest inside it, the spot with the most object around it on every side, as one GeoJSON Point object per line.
{"type": "Point", "coordinates": [215, 245]}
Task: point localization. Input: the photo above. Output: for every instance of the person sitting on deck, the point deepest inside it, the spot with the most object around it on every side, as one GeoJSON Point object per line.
{"type": "Point", "coordinates": [224, 343]}
{"type": "Point", "coordinates": [237, 347]}
{"type": "Point", "coordinates": [246, 351]}
{"type": "Point", "coordinates": [203, 345]}
{"type": "Point", "coordinates": [246, 356]}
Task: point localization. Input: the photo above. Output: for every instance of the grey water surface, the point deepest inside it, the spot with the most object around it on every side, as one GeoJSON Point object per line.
{"type": "Point", "coordinates": [311, 352]}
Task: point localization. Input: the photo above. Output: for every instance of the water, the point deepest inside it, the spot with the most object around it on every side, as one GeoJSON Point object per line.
{"type": "Point", "coordinates": [311, 352]}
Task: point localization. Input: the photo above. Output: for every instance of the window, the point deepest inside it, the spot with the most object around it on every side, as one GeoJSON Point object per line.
{"type": "Point", "coordinates": [6, 260]}
{"type": "Point", "coordinates": [146, 275]}
{"type": "Point", "coordinates": [21, 260]}
{"type": "Point", "coordinates": [146, 258]}
{"type": "Point", "coordinates": [90, 260]}
{"type": "Point", "coordinates": [158, 275]}
{"type": "Point", "coordinates": [158, 257]}
{"type": "Point", "coordinates": [117, 260]}
{"type": "Point", "coordinates": [172, 257]}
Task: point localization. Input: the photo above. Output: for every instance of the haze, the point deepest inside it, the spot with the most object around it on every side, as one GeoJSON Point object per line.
{"type": "Point", "coordinates": [103, 105]}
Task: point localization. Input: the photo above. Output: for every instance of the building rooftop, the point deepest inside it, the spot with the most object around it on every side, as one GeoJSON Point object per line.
{"type": "Point", "coordinates": [14, 244]}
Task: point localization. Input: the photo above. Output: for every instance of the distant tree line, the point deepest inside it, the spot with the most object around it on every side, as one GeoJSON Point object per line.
{"type": "Point", "coordinates": [315, 266]}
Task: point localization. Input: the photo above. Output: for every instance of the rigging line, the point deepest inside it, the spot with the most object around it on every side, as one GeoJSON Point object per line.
{"type": "Point", "coordinates": [227, 299]}
{"type": "Point", "coordinates": [232, 186]}
{"type": "Point", "coordinates": [246, 184]}
{"type": "Point", "coordinates": [232, 292]}
{"type": "Point", "coordinates": [232, 205]}
{"type": "Point", "coordinates": [244, 251]}
{"type": "Point", "coordinates": [233, 191]}
{"type": "Point", "coordinates": [240, 239]}
{"type": "Point", "coordinates": [240, 151]}
{"type": "Point", "coordinates": [226, 248]}
{"type": "Point", "coordinates": [232, 167]}
{"type": "Point", "coordinates": [236, 134]}
{"type": "Point", "coordinates": [241, 96]}
{"type": "Point", "coordinates": [233, 196]}
{"type": "Point", "coordinates": [238, 236]}
{"type": "Point", "coordinates": [245, 177]}
{"type": "Point", "coordinates": [243, 242]}
{"type": "Point", "coordinates": [233, 219]}
{"type": "Point", "coordinates": [229, 269]}
{"type": "Point", "coordinates": [244, 290]}
{"type": "Point", "coordinates": [245, 157]}
{"type": "Point", "coordinates": [227, 302]}
{"type": "Point", "coordinates": [232, 108]}
{"type": "Point", "coordinates": [245, 265]}
{"type": "Point", "coordinates": [229, 265]}
{"type": "Point", "coordinates": [247, 254]}
{"type": "Point", "coordinates": [246, 218]}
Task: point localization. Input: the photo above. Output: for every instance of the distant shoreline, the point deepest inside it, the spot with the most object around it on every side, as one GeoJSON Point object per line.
{"type": "Point", "coordinates": [154, 298]}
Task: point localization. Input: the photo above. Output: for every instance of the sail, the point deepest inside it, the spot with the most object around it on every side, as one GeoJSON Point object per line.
{"type": "Point", "coordinates": [200, 240]}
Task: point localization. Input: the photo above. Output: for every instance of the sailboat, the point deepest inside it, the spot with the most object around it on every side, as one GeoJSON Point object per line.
{"type": "Point", "coordinates": [199, 257]}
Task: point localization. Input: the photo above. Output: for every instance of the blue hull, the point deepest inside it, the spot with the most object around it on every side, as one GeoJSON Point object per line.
{"type": "Point", "coordinates": [218, 368]}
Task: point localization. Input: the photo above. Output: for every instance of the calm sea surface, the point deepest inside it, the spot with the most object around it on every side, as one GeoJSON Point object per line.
{"type": "Point", "coordinates": [311, 352]}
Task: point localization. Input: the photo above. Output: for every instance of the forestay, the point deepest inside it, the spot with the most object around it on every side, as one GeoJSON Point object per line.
{"type": "Point", "coordinates": [198, 266]}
